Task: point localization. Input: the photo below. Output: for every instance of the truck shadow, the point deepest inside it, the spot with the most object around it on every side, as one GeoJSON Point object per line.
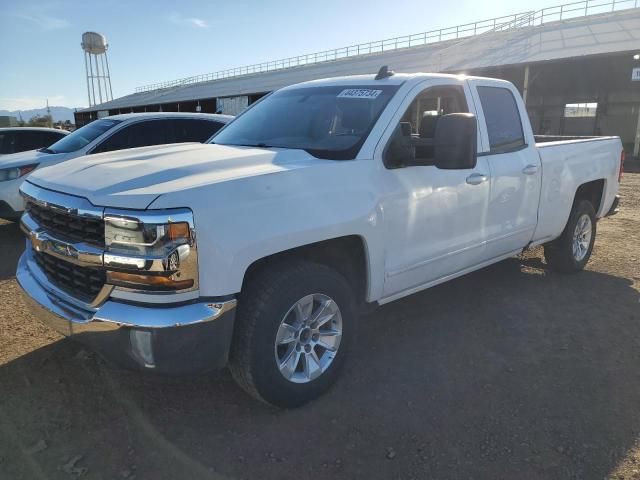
{"type": "Point", "coordinates": [510, 372]}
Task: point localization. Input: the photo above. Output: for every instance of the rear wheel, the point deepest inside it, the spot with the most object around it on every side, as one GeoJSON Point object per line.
{"type": "Point", "coordinates": [572, 250]}
{"type": "Point", "coordinates": [293, 328]}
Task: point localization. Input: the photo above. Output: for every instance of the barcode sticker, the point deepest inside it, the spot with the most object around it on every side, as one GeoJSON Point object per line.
{"type": "Point", "coordinates": [359, 93]}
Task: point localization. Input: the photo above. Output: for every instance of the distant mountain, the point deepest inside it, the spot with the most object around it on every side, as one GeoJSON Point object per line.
{"type": "Point", "coordinates": [58, 113]}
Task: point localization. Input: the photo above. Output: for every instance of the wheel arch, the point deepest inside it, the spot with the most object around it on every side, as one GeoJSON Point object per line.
{"type": "Point", "coordinates": [348, 255]}
{"type": "Point", "coordinates": [593, 191]}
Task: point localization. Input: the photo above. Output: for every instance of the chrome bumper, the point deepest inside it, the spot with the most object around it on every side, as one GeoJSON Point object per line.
{"type": "Point", "coordinates": [194, 336]}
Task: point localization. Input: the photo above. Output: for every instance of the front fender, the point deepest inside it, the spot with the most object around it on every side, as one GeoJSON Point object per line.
{"type": "Point", "coordinates": [241, 221]}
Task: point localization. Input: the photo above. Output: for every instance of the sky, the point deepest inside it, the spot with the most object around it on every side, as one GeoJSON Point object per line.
{"type": "Point", "coordinates": [153, 41]}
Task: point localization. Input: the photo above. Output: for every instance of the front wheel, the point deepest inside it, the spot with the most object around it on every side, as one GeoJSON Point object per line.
{"type": "Point", "coordinates": [293, 328]}
{"type": "Point", "coordinates": [571, 251]}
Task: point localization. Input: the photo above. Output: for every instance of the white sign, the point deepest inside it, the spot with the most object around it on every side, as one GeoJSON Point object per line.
{"type": "Point", "coordinates": [359, 93]}
{"type": "Point", "coordinates": [635, 74]}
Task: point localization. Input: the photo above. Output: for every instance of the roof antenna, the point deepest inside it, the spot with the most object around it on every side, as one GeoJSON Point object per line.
{"type": "Point", "coordinates": [384, 72]}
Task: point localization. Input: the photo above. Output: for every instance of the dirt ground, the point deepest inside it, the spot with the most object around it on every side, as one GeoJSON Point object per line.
{"type": "Point", "coordinates": [512, 372]}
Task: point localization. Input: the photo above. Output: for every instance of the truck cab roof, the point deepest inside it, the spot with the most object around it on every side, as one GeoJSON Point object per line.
{"type": "Point", "coordinates": [395, 79]}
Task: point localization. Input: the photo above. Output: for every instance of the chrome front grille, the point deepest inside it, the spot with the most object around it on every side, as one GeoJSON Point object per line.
{"type": "Point", "coordinates": [66, 234]}
{"type": "Point", "coordinates": [67, 225]}
{"type": "Point", "coordinates": [83, 283]}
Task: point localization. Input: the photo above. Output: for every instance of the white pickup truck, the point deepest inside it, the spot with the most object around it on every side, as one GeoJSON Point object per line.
{"type": "Point", "coordinates": [260, 248]}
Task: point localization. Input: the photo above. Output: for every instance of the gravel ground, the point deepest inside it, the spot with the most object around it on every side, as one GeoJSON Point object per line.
{"type": "Point", "coordinates": [510, 372]}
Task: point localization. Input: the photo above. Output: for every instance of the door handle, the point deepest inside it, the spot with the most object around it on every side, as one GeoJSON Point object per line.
{"type": "Point", "coordinates": [530, 169]}
{"type": "Point", "coordinates": [477, 178]}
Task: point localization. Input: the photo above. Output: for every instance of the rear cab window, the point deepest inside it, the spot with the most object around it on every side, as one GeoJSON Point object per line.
{"type": "Point", "coordinates": [502, 117]}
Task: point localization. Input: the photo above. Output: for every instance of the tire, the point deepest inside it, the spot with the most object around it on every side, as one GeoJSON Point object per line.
{"type": "Point", "coordinates": [266, 303]}
{"type": "Point", "coordinates": [562, 255]}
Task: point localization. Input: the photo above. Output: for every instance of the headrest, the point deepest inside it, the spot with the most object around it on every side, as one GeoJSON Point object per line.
{"type": "Point", "coordinates": [428, 125]}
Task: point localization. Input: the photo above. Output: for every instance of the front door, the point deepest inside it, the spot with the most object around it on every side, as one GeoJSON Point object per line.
{"type": "Point", "coordinates": [434, 219]}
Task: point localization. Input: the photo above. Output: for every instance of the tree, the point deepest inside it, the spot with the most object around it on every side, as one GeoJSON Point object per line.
{"type": "Point", "coordinates": [40, 121]}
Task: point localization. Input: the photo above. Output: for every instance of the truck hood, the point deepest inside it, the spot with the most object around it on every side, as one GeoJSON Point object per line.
{"type": "Point", "coordinates": [29, 157]}
{"type": "Point", "coordinates": [135, 178]}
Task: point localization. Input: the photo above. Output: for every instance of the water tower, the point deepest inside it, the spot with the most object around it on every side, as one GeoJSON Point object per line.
{"type": "Point", "coordinates": [96, 65]}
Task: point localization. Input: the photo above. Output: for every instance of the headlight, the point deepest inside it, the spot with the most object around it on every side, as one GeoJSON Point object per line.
{"type": "Point", "coordinates": [151, 251]}
{"type": "Point", "coordinates": [16, 172]}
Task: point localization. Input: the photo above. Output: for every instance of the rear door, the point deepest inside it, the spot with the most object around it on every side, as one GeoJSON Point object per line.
{"type": "Point", "coordinates": [515, 166]}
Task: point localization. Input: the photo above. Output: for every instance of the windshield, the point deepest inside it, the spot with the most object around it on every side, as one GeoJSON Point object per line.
{"type": "Point", "coordinates": [328, 122]}
{"type": "Point", "coordinates": [82, 137]}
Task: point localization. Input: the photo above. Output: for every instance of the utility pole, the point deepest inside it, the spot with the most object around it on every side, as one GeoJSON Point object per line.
{"type": "Point", "coordinates": [50, 119]}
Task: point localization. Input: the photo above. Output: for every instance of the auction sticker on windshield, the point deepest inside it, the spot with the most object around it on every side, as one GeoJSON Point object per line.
{"type": "Point", "coordinates": [359, 93]}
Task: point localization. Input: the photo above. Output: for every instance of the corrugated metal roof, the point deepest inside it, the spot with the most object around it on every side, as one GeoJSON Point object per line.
{"type": "Point", "coordinates": [590, 35]}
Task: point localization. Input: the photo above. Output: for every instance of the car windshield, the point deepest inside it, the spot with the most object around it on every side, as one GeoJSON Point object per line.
{"type": "Point", "coordinates": [82, 137]}
{"type": "Point", "coordinates": [328, 122]}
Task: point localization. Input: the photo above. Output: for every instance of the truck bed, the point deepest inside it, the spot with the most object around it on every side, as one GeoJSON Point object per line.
{"type": "Point", "coordinates": [562, 138]}
{"type": "Point", "coordinates": [567, 163]}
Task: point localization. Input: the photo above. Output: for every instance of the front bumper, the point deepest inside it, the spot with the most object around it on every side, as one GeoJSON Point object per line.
{"type": "Point", "coordinates": [11, 203]}
{"type": "Point", "coordinates": [187, 338]}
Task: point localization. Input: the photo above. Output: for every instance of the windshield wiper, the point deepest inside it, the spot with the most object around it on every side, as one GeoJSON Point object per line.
{"type": "Point", "coordinates": [257, 145]}
{"type": "Point", "coordinates": [47, 150]}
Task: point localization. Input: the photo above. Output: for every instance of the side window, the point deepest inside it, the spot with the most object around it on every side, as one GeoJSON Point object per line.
{"type": "Point", "coordinates": [502, 117]}
{"type": "Point", "coordinates": [187, 130]}
{"type": "Point", "coordinates": [7, 142]}
{"type": "Point", "coordinates": [50, 138]}
{"type": "Point", "coordinates": [28, 141]}
{"type": "Point", "coordinates": [140, 134]}
{"type": "Point", "coordinates": [422, 116]}
{"type": "Point", "coordinates": [114, 142]}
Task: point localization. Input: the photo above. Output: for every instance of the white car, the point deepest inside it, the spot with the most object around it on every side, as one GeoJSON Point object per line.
{"type": "Point", "coordinates": [319, 201]}
{"type": "Point", "coordinates": [116, 132]}
{"type": "Point", "coordinates": [21, 139]}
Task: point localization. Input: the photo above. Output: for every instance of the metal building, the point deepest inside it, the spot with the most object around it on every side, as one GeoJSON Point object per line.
{"type": "Point", "coordinates": [574, 65]}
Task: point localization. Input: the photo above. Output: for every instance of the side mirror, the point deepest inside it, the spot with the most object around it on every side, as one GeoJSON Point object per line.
{"type": "Point", "coordinates": [455, 142]}
{"type": "Point", "coordinates": [400, 151]}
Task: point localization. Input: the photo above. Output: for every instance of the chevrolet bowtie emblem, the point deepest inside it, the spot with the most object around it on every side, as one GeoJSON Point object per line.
{"type": "Point", "coordinates": [63, 249]}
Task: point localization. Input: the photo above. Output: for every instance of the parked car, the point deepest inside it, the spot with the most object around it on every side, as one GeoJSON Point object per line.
{"type": "Point", "coordinates": [116, 132]}
{"type": "Point", "coordinates": [21, 139]}
{"type": "Point", "coordinates": [321, 200]}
